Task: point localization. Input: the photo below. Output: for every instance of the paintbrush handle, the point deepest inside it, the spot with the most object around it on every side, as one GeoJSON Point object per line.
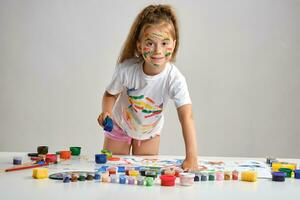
{"type": "Point", "coordinates": [25, 167]}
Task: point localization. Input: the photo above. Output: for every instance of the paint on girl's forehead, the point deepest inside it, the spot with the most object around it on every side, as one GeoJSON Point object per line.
{"type": "Point", "coordinates": [158, 35]}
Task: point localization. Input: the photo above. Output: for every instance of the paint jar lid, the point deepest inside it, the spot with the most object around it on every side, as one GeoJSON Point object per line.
{"type": "Point", "coordinates": [278, 173]}
{"type": "Point", "coordinates": [188, 175]}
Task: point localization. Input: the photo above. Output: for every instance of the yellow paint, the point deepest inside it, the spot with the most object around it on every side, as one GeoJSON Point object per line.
{"type": "Point", "coordinates": [40, 173]}
{"type": "Point", "coordinates": [276, 166]}
{"type": "Point", "coordinates": [250, 176]}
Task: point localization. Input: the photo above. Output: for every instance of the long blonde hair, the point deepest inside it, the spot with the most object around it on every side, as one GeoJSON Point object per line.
{"type": "Point", "coordinates": [151, 15]}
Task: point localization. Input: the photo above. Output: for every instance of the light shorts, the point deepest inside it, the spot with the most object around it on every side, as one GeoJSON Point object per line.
{"type": "Point", "coordinates": [118, 134]}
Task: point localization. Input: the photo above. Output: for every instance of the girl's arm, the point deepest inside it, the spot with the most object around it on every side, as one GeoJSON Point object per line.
{"type": "Point", "coordinates": [108, 102]}
{"type": "Point", "coordinates": [185, 116]}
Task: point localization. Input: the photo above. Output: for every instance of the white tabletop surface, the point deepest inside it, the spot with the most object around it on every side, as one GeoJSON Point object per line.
{"type": "Point", "coordinates": [20, 185]}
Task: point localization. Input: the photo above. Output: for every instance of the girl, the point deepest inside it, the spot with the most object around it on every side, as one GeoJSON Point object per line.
{"type": "Point", "coordinates": [144, 79]}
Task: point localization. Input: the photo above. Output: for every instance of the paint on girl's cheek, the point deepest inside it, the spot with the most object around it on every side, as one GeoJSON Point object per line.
{"type": "Point", "coordinates": [167, 54]}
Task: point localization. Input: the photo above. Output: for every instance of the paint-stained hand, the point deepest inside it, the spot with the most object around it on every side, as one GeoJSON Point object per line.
{"type": "Point", "coordinates": [102, 117]}
{"type": "Point", "coordinates": [190, 164]}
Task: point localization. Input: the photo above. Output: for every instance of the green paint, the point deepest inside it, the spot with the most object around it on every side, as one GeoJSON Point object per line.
{"type": "Point", "coordinates": [137, 97]}
{"type": "Point", "coordinates": [168, 54]}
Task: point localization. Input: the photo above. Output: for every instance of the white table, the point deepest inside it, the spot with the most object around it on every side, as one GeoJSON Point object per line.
{"type": "Point", "coordinates": [20, 185]}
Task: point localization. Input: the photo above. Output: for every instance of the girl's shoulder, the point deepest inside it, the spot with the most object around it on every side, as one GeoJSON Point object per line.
{"type": "Point", "coordinates": [129, 63]}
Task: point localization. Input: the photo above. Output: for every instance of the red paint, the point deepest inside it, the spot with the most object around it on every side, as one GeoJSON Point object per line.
{"type": "Point", "coordinates": [167, 180]}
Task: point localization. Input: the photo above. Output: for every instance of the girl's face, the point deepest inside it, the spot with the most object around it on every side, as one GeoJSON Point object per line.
{"type": "Point", "coordinates": [156, 46]}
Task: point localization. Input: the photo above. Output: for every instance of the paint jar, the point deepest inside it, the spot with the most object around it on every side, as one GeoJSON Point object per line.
{"type": "Point", "coordinates": [107, 152]}
{"type": "Point", "coordinates": [105, 177]}
{"type": "Point", "coordinates": [151, 173]}
{"type": "Point", "coordinates": [297, 174]}
{"type": "Point", "coordinates": [51, 158]}
{"type": "Point", "coordinates": [89, 177]}
{"type": "Point", "coordinates": [103, 168]}
{"type": "Point", "coordinates": [131, 180]}
{"type": "Point", "coordinates": [113, 178]}
{"type": "Point", "coordinates": [197, 177]}
{"type": "Point", "coordinates": [204, 176]}
{"type": "Point", "coordinates": [167, 180]}
{"type": "Point", "coordinates": [249, 176]}
{"type": "Point", "coordinates": [211, 176]}
{"type": "Point", "coordinates": [235, 175]}
{"type": "Point", "coordinates": [178, 171]}
{"type": "Point", "coordinates": [121, 169]}
{"type": "Point", "coordinates": [219, 176]}
{"type": "Point", "coordinates": [65, 155]}
{"type": "Point", "coordinates": [42, 150]}
{"type": "Point", "coordinates": [276, 166]}
{"type": "Point", "coordinates": [100, 158]}
{"type": "Point", "coordinates": [143, 171]}
{"type": "Point", "coordinates": [75, 151]}
{"type": "Point", "coordinates": [186, 179]}
{"type": "Point", "coordinates": [133, 173]}
{"type": "Point", "coordinates": [74, 177]}
{"type": "Point", "coordinates": [82, 177]}
{"type": "Point", "coordinates": [127, 169]}
{"type": "Point", "coordinates": [112, 170]}
{"type": "Point", "coordinates": [140, 180]}
{"type": "Point", "coordinates": [17, 160]}
{"type": "Point", "coordinates": [278, 176]}
{"type": "Point", "coordinates": [149, 181]}
{"type": "Point", "coordinates": [122, 179]}
{"type": "Point", "coordinates": [66, 178]}
{"type": "Point", "coordinates": [288, 172]}
{"type": "Point", "coordinates": [227, 175]}
{"type": "Point", "coordinates": [97, 176]}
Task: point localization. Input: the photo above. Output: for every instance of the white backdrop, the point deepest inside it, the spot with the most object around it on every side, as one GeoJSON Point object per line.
{"type": "Point", "coordinates": [240, 58]}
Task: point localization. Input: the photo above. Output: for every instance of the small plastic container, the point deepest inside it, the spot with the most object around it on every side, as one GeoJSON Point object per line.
{"type": "Point", "coordinates": [131, 180]}
{"type": "Point", "coordinates": [105, 177]}
{"type": "Point", "coordinates": [288, 172]}
{"type": "Point", "coordinates": [227, 175]}
{"type": "Point", "coordinates": [297, 174]}
{"type": "Point", "coordinates": [235, 175]}
{"type": "Point", "coordinates": [112, 170]}
{"type": "Point", "coordinates": [219, 176]}
{"type": "Point", "coordinates": [167, 180]}
{"type": "Point", "coordinates": [75, 151]}
{"type": "Point", "coordinates": [186, 179]}
{"type": "Point", "coordinates": [204, 176]}
{"type": "Point", "coordinates": [122, 179]}
{"type": "Point", "coordinates": [149, 181]}
{"type": "Point", "coordinates": [278, 176]}
{"type": "Point", "coordinates": [113, 178]}
{"type": "Point", "coordinates": [211, 176]}
{"type": "Point", "coordinates": [100, 158]}
{"type": "Point", "coordinates": [17, 160]}
{"type": "Point", "coordinates": [140, 180]}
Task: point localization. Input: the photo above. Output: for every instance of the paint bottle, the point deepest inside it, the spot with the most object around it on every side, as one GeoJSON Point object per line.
{"type": "Point", "coordinates": [151, 173]}
{"type": "Point", "coordinates": [65, 155]}
{"type": "Point", "coordinates": [82, 177]}
{"type": "Point", "coordinates": [131, 180]}
{"type": "Point", "coordinates": [186, 179]}
{"type": "Point", "coordinates": [204, 176]}
{"type": "Point", "coordinates": [133, 173]}
{"type": "Point", "coordinates": [235, 175]}
{"type": "Point", "coordinates": [140, 180]}
{"type": "Point", "coordinates": [74, 177]}
{"type": "Point", "coordinates": [122, 179]}
{"type": "Point", "coordinates": [97, 176]}
{"type": "Point", "coordinates": [112, 170]}
{"type": "Point", "coordinates": [297, 173]}
{"type": "Point", "coordinates": [149, 181]}
{"type": "Point", "coordinates": [219, 176]}
{"type": "Point", "coordinates": [227, 175]}
{"type": "Point", "coordinates": [105, 177]}
{"type": "Point", "coordinates": [89, 177]}
{"type": "Point", "coordinates": [113, 178]}
{"type": "Point", "coordinates": [197, 177]}
{"type": "Point", "coordinates": [211, 176]}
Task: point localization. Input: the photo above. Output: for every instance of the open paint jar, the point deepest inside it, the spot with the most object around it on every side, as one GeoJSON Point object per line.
{"type": "Point", "coordinates": [167, 180]}
{"type": "Point", "coordinates": [186, 179]}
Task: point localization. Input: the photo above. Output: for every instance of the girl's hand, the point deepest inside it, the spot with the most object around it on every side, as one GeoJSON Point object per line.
{"type": "Point", "coordinates": [190, 164]}
{"type": "Point", "coordinates": [102, 117]}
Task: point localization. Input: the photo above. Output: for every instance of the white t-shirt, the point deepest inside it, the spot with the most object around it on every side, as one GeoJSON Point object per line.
{"type": "Point", "coordinates": [139, 108]}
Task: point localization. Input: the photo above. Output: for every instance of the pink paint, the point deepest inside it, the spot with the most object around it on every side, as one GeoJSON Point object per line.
{"type": "Point", "coordinates": [187, 179]}
{"type": "Point", "coordinates": [219, 176]}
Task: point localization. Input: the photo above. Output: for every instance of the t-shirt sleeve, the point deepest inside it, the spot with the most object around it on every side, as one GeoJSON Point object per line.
{"type": "Point", "coordinates": [116, 84]}
{"type": "Point", "coordinates": [179, 90]}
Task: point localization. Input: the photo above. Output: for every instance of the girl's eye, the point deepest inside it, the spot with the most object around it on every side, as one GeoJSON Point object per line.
{"type": "Point", "coordinates": [165, 43]}
{"type": "Point", "coordinates": [149, 44]}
